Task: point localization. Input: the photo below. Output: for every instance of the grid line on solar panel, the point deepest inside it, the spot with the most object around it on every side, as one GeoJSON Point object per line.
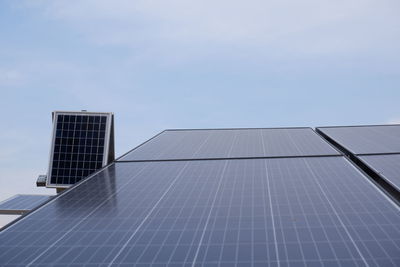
{"type": "Point", "coordinates": [78, 147]}
{"type": "Point", "coordinates": [360, 140]}
{"type": "Point", "coordinates": [174, 145]}
{"type": "Point", "coordinates": [270, 201]}
{"type": "Point", "coordinates": [240, 226]}
{"type": "Point", "coordinates": [148, 215]}
{"type": "Point", "coordinates": [134, 233]}
{"type": "Point", "coordinates": [76, 225]}
{"type": "Point", "coordinates": [213, 204]}
{"type": "Point", "coordinates": [335, 212]}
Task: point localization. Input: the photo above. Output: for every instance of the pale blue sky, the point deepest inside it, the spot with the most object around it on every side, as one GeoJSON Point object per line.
{"type": "Point", "coordinates": [190, 64]}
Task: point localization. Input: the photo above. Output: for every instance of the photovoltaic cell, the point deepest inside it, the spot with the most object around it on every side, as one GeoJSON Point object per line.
{"type": "Point", "coordinates": [366, 139]}
{"type": "Point", "coordinates": [235, 143]}
{"type": "Point", "coordinates": [258, 212]}
{"type": "Point", "coordinates": [388, 166]}
{"type": "Point", "coordinates": [22, 203]}
{"type": "Point", "coordinates": [78, 148]}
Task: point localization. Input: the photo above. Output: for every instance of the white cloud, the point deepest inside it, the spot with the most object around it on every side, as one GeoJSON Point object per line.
{"type": "Point", "coordinates": [10, 77]}
{"type": "Point", "coordinates": [310, 27]}
{"type": "Point", "coordinates": [394, 121]}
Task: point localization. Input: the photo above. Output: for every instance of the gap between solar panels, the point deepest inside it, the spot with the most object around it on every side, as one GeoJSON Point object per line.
{"type": "Point", "coordinates": [383, 183]}
{"type": "Point", "coordinates": [234, 158]}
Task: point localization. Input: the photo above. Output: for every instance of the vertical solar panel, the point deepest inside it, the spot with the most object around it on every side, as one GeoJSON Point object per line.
{"type": "Point", "coordinates": [80, 146]}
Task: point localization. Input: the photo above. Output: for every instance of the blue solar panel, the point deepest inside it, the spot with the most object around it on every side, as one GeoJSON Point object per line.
{"type": "Point", "coordinates": [258, 212]}
{"type": "Point", "coordinates": [22, 203]}
{"type": "Point", "coordinates": [232, 143]}
{"type": "Point", "coordinates": [80, 146]}
{"type": "Point", "coordinates": [366, 139]}
{"type": "Point", "coordinates": [388, 166]}
{"type": "Point", "coordinates": [377, 146]}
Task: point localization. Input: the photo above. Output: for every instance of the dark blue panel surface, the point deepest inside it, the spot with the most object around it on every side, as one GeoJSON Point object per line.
{"type": "Point", "coordinates": [232, 143]}
{"type": "Point", "coordinates": [78, 148]}
{"type": "Point", "coordinates": [260, 212]}
{"type": "Point", "coordinates": [22, 203]}
{"type": "Point", "coordinates": [388, 166]}
{"type": "Point", "coordinates": [366, 139]}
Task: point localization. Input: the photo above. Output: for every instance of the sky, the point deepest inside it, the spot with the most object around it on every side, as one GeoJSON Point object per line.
{"type": "Point", "coordinates": [189, 64]}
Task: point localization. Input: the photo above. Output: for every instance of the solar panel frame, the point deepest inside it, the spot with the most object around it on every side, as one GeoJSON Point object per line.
{"type": "Point", "coordinates": [106, 145]}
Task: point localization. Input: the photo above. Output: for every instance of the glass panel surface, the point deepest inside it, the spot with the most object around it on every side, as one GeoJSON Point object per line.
{"type": "Point", "coordinates": [237, 143]}
{"type": "Point", "coordinates": [252, 212]}
{"type": "Point", "coordinates": [367, 139]}
{"type": "Point", "coordinates": [23, 202]}
{"type": "Point", "coordinates": [78, 148]}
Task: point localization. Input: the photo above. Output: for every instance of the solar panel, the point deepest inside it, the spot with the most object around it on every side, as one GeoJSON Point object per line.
{"type": "Point", "coordinates": [366, 139]}
{"type": "Point", "coordinates": [251, 212]}
{"type": "Point", "coordinates": [81, 144]}
{"type": "Point", "coordinates": [232, 143]}
{"type": "Point", "coordinates": [19, 204]}
{"type": "Point", "coordinates": [388, 166]}
{"type": "Point", "coordinates": [377, 146]}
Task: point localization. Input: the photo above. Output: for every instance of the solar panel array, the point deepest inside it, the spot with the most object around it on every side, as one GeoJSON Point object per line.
{"type": "Point", "coordinates": [79, 147]}
{"type": "Point", "coordinates": [377, 146]}
{"type": "Point", "coordinates": [232, 143]}
{"type": "Point", "coordinates": [19, 204]}
{"type": "Point", "coordinates": [302, 211]}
